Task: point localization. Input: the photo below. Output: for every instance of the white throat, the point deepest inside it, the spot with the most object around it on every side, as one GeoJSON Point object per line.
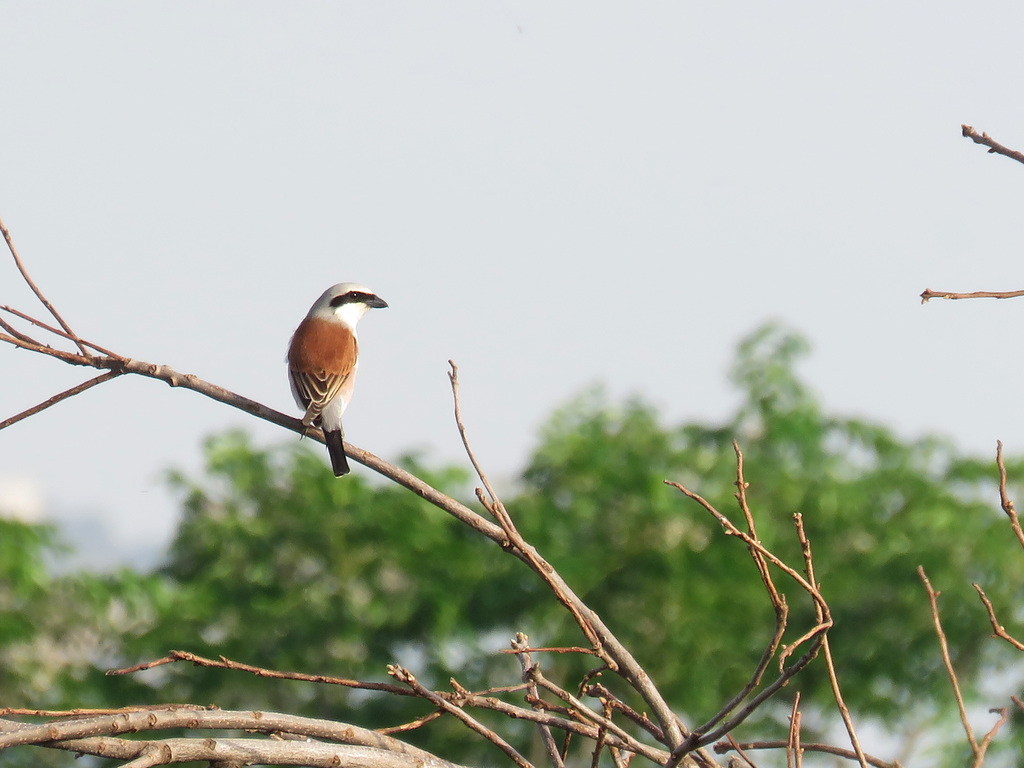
{"type": "Point", "coordinates": [350, 314]}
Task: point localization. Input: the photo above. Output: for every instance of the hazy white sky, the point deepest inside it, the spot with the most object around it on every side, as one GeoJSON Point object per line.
{"type": "Point", "coordinates": [551, 194]}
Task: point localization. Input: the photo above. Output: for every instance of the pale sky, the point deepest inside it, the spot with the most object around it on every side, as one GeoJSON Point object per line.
{"type": "Point", "coordinates": [551, 194]}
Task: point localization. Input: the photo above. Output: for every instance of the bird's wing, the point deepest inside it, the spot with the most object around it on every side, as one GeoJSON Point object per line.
{"type": "Point", "coordinates": [317, 389]}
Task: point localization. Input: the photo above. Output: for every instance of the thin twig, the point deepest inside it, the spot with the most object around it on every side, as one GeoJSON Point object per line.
{"type": "Point", "coordinates": [419, 722]}
{"type": "Point", "coordinates": [837, 694]}
{"type": "Point", "coordinates": [739, 751]}
{"type": "Point", "coordinates": [978, 750]}
{"type": "Point", "coordinates": [723, 747]}
{"type": "Point", "coordinates": [567, 649]}
{"type": "Point", "coordinates": [18, 334]}
{"type": "Point", "coordinates": [405, 676]}
{"type": "Point", "coordinates": [36, 291]}
{"type": "Point", "coordinates": [1004, 498]}
{"type": "Point", "coordinates": [998, 629]}
{"type": "Point", "coordinates": [994, 147]}
{"type": "Point", "coordinates": [453, 377]}
{"type": "Point", "coordinates": [521, 646]}
{"type": "Point", "coordinates": [777, 600]}
{"type": "Point", "coordinates": [581, 711]}
{"type": "Point", "coordinates": [794, 754]}
{"type": "Point", "coordinates": [816, 636]}
{"type": "Point", "coordinates": [56, 331]}
{"type": "Point", "coordinates": [58, 397]}
{"type": "Point", "coordinates": [641, 719]}
{"type": "Point", "coordinates": [844, 711]}
{"type": "Point", "coordinates": [226, 663]}
{"type": "Point", "coordinates": [608, 647]}
{"type": "Point", "coordinates": [732, 530]}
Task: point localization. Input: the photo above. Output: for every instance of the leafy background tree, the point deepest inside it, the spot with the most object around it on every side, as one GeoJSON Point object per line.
{"type": "Point", "coordinates": [278, 564]}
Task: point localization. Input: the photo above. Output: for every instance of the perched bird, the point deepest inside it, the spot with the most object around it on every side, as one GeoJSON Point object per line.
{"type": "Point", "coordinates": [322, 359]}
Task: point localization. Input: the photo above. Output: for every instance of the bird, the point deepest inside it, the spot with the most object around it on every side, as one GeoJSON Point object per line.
{"type": "Point", "coordinates": [323, 356]}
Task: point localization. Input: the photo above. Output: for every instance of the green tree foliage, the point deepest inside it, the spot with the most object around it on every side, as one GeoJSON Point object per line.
{"type": "Point", "coordinates": [60, 630]}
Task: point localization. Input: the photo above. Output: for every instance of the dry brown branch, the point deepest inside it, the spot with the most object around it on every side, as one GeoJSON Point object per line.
{"type": "Point", "coordinates": [225, 663]}
{"type": "Point", "coordinates": [234, 752]}
{"type": "Point", "coordinates": [134, 720]}
{"type": "Point", "coordinates": [580, 711]}
{"type": "Point", "coordinates": [994, 147]}
{"type": "Point", "coordinates": [482, 700]}
{"type": "Point", "coordinates": [521, 647]}
{"type": "Point", "coordinates": [77, 389]}
{"type": "Point", "coordinates": [54, 331]}
{"type": "Point", "coordinates": [405, 676]}
{"type": "Point", "coordinates": [844, 711]}
{"type": "Point", "coordinates": [560, 720]}
{"type": "Point", "coordinates": [736, 747]}
{"type": "Point", "coordinates": [728, 746]}
{"type": "Point", "coordinates": [928, 294]}
{"type": "Point", "coordinates": [39, 295]}
{"type": "Point", "coordinates": [732, 530]}
{"type": "Point", "coordinates": [641, 719]}
{"type": "Point", "coordinates": [977, 749]}
{"type": "Point", "coordinates": [815, 636]}
{"type": "Point", "coordinates": [794, 754]}
{"type": "Point", "coordinates": [567, 649]}
{"type": "Point", "coordinates": [1004, 498]}
{"type": "Point", "coordinates": [997, 629]}
{"type": "Point", "coordinates": [604, 642]}
{"type": "Point", "coordinates": [778, 602]}
{"type": "Point", "coordinates": [419, 722]}
{"type": "Point", "coordinates": [122, 365]}
{"type": "Point", "coordinates": [90, 711]}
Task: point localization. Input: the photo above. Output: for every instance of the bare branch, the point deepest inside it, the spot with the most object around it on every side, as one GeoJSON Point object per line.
{"type": "Point", "coordinates": [977, 749]}
{"type": "Point", "coordinates": [997, 629]}
{"type": "Point", "coordinates": [57, 398]}
{"type": "Point", "coordinates": [605, 644]}
{"type": "Point", "coordinates": [39, 295]}
{"type": "Point", "coordinates": [994, 147]}
{"type": "Point", "coordinates": [732, 530]}
{"type": "Point", "coordinates": [794, 753]}
{"type": "Point", "coordinates": [844, 711]}
{"type": "Point", "coordinates": [1004, 498]}
{"type": "Point", "coordinates": [453, 377]}
{"type": "Point", "coordinates": [928, 294]}
{"type": "Point", "coordinates": [55, 331]}
{"type": "Point", "coordinates": [405, 676]}
{"type": "Point", "coordinates": [521, 646]}
{"type": "Point", "coordinates": [157, 719]}
{"type": "Point", "coordinates": [240, 752]}
{"type": "Point", "coordinates": [828, 749]}
{"type": "Point", "coordinates": [225, 663]}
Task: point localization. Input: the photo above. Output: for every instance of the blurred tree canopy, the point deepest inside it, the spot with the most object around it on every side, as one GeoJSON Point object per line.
{"type": "Point", "coordinates": [278, 564]}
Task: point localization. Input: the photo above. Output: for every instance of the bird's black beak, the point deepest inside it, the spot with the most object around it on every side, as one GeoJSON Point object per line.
{"type": "Point", "coordinates": [376, 302]}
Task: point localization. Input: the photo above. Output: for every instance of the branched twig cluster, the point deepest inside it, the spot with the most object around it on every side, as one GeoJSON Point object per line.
{"type": "Point", "coordinates": [611, 725]}
{"type": "Point", "coordinates": [594, 711]}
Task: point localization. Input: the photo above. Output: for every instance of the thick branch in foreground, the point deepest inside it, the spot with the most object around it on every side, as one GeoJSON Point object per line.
{"type": "Point", "coordinates": [91, 728]}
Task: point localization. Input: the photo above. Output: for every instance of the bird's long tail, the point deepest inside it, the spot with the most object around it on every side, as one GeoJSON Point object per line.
{"type": "Point", "coordinates": [336, 448]}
